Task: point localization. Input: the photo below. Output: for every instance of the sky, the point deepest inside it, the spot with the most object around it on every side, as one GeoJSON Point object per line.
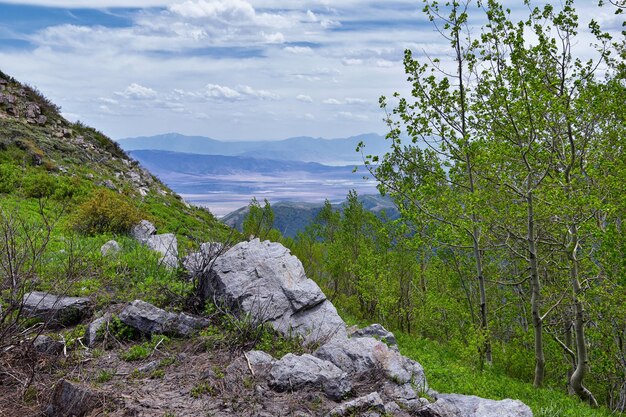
{"type": "Point", "coordinates": [227, 69]}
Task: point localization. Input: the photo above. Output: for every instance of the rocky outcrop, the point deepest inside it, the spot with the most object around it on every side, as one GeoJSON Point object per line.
{"type": "Point", "coordinates": [198, 263]}
{"type": "Point", "coordinates": [166, 244]}
{"type": "Point", "coordinates": [142, 231]}
{"type": "Point", "coordinates": [293, 372]}
{"type": "Point", "coordinates": [264, 280]}
{"type": "Point", "coordinates": [456, 405]}
{"type": "Point", "coordinates": [149, 319]}
{"type": "Point", "coordinates": [55, 311]}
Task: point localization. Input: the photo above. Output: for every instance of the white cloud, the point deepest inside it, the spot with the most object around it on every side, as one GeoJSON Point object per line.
{"type": "Point", "coordinates": [311, 16]}
{"type": "Point", "coordinates": [351, 61]}
{"type": "Point", "coordinates": [226, 10]}
{"type": "Point", "coordinates": [93, 4]}
{"type": "Point", "coordinates": [274, 37]}
{"type": "Point", "coordinates": [261, 94]}
{"type": "Point", "coordinates": [221, 92]}
{"type": "Point", "coordinates": [299, 50]}
{"type": "Point", "coordinates": [351, 116]}
{"type": "Point", "coordinates": [351, 100]}
{"type": "Point", "coordinates": [304, 98]}
{"type": "Point", "coordinates": [329, 24]}
{"type": "Point", "coordinates": [383, 63]}
{"type": "Point", "coordinates": [137, 92]}
{"type": "Point", "coordinates": [332, 101]}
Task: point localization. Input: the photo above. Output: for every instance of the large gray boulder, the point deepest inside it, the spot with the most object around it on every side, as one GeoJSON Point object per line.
{"type": "Point", "coordinates": [55, 311]}
{"type": "Point", "coordinates": [150, 319]}
{"type": "Point", "coordinates": [196, 263]}
{"type": "Point", "coordinates": [167, 245]}
{"type": "Point", "coordinates": [264, 280]}
{"type": "Point", "coordinates": [293, 372]}
{"type": "Point", "coordinates": [457, 405]}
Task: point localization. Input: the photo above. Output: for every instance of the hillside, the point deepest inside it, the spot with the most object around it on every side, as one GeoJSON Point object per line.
{"type": "Point", "coordinates": [100, 315]}
{"type": "Point", "coordinates": [340, 151]}
{"type": "Point", "coordinates": [37, 141]}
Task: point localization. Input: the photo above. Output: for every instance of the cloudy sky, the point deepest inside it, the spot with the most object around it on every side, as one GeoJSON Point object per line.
{"type": "Point", "coordinates": [228, 69]}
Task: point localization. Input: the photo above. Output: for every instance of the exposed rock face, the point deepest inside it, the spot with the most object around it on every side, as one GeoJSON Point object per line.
{"type": "Point", "coordinates": [150, 319]}
{"type": "Point", "coordinates": [167, 245]}
{"type": "Point", "coordinates": [143, 231]}
{"type": "Point", "coordinates": [74, 400]}
{"type": "Point", "coordinates": [456, 405]}
{"type": "Point", "coordinates": [92, 333]}
{"type": "Point", "coordinates": [110, 248]}
{"type": "Point", "coordinates": [197, 263]}
{"type": "Point", "coordinates": [264, 280]}
{"type": "Point", "coordinates": [365, 354]}
{"type": "Point", "coordinates": [56, 310]}
{"type": "Point", "coordinates": [376, 331]}
{"type": "Point", "coordinates": [370, 402]}
{"type": "Point", "coordinates": [293, 372]}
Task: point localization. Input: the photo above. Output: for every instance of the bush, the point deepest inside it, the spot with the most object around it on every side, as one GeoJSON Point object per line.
{"type": "Point", "coordinates": [106, 212]}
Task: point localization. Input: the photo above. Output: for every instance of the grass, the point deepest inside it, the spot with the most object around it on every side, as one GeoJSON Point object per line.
{"type": "Point", "coordinates": [446, 372]}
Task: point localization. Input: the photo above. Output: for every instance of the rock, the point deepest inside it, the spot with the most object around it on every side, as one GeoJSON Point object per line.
{"type": "Point", "coordinates": [198, 262]}
{"type": "Point", "coordinates": [264, 280]}
{"type": "Point", "coordinates": [370, 402]}
{"type": "Point", "coordinates": [56, 310]}
{"type": "Point", "coordinates": [142, 231]}
{"type": "Point", "coordinates": [41, 120]}
{"type": "Point", "coordinates": [47, 345]}
{"type": "Point", "coordinates": [293, 372]}
{"type": "Point", "coordinates": [259, 361]}
{"type": "Point", "coordinates": [93, 333]}
{"type": "Point", "coordinates": [149, 367]}
{"type": "Point", "coordinates": [149, 319]}
{"type": "Point", "coordinates": [456, 405]}
{"type": "Point", "coordinates": [392, 408]}
{"type": "Point", "coordinates": [110, 248]}
{"type": "Point", "coordinates": [365, 355]}
{"type": "Point", "coordinates": [74, 400]}
{"type": "Point", "coordinates": [377, 332]}
{"type": "Point", "coordinates": [32, 111]}
{"type": "Point", "coordinates": [109, 184]}
{"type": "Point", "coordinates": [167, 245]}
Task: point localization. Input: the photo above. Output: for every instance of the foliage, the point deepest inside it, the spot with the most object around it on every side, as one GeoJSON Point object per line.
{"type": "Point", "coordinates": [106, 212]}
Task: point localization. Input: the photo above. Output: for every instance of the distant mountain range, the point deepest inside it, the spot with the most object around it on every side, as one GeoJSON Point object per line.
{"type": "Point", "coordinates": [340, 151]}
{"type": "Point", "coordinates": [225, 183]}
{"type": "Point", "coordinates": [293, 217]}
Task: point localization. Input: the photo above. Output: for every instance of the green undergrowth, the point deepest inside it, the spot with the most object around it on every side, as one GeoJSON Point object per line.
{"type": "Point", "coordinates": [446, 372]}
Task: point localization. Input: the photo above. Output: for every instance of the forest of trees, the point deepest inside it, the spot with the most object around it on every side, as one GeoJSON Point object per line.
{"type": "Point", "coordinates": [508, 166]}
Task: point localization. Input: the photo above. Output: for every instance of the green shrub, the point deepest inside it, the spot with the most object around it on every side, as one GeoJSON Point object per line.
{"type": "Point", "coordinates": [106, 212]}
{"type": "Point", "coordinates": [136, 353]}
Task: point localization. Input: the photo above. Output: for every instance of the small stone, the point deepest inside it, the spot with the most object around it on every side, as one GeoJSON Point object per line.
{"type": "Point", "coordinates": [110, 248]}
{"type": "Point", "coordinates": [93, 333]}
{"type": "Point", "coordinates": [46, 344]}
{"type": "Point", "coordinates": [369, 403]}
{"type": "Point", "coordinates": [71, 399]}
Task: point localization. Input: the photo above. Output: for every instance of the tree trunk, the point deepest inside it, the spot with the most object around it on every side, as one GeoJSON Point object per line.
{"type": "Point", "coordinates": [535, 299]}
{"type": "Point", "coordinates": [582, 359]}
